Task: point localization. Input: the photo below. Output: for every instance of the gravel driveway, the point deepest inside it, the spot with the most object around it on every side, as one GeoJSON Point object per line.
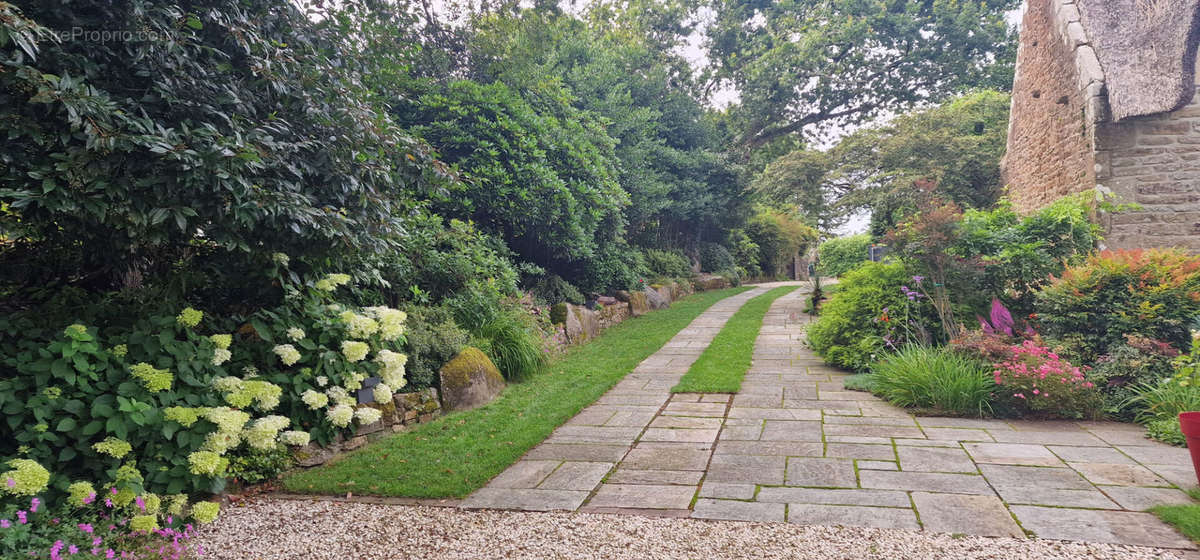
{"type": "Point", "coordinates": [265, 528]}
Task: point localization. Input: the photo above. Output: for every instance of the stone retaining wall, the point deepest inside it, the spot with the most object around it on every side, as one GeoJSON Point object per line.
{"type": "Point", "coordinates": [405, 410]}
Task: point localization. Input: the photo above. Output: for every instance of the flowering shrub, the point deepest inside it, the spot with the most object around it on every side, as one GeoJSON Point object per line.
{"type": "Point", "coordinates": [1151, 293]}
{"type": "Point", "coordinates": [1035, 379]}
{"type": "Point", "coordinates": [94, 526]}
{"type": "Point", "coordinates": [161, 408]}
{"type": "Point", "coordinates": [869, 315]}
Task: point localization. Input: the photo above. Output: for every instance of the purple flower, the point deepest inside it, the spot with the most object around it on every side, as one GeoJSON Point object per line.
{"type": "Point", "coordinates": [90, 498]}
{"type": "Point", "coordinates": [86, 528]}
{"type": "Point", "coordinates": [141, 504]}
{"type": "Point", "coordinates": [33, 505]}
{"type": "Point", "coordinates": [21, 517]}
{"type": "Point", "coordinates": [11, 483]}
{"type": "Point", "coordinates": [4, 523]}
{"type": "Point", "coordinates": [918, 279]}
{"type": "Point", "coordinates": [73, 549]}
{"type": "Point", "coordinates": [110, 553]}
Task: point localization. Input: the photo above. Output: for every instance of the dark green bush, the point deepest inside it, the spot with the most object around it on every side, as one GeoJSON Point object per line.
{"type": "Point", "coordinates": [252, 466]}
{"type": "Point", "coordinates": [842, 254]}
{"type": "Point", "coordinates": [668, 264]}
{"type": "Point", "coordinates": [1092, 306]}
{"type": "Point", "coordinates": [551, 289]}
{"type": "Point", "coordinates": [715, 258]}
{"type": "Point", "coordinates": [1140, 361]}
{"type": "Point", "coordinates": [432, 339]}
{"type": "Point", "coordinates": [616, 266]}
{"type": "Point", "coordinates": [867, 315]}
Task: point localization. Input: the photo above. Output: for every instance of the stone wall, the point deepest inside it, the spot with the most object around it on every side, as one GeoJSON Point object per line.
{"type": "Point", "coordinates": [406, 409]}
{"type": "Point", "coordinates": [1054, 103]}
{"type": "Point", "coordinates": [1153, 161]}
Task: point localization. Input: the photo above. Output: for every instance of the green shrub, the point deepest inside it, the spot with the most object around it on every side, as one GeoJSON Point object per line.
{"type": "Point", "coordinates": [842, 254]}
{"type": "Point", "coordinates": [252, 466]}
{"type": "Point", "coordinates": [1095, 304]}
{"type": "Point", "coordinates": [616, 266]}
{"type": "Point", "coordinates": [513, 343]}
{"type": "Point", "coordinates": [558, 314]}
{"type": "Point", "coordinates": [935, 378]}
{"type": "Point", "coordinates": [868, 314]}
{"type": "Point", "coordinates": [1140, 361]}
{"type": "Point", "coordinates": [551, 289]}
{"type": "Point", "coordinates": [668, 264]}
{"type": "Point", "coordinates": [432, 339]}
{"type": "Point", "coordinates": [715, 258]}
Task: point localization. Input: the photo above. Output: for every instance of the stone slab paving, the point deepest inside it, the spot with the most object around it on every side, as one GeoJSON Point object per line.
{"type": "Point", "coordinates": [795, 446]}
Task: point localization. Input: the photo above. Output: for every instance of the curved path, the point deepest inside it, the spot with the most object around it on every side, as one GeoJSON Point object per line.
{"type": "Point", "coordinates": [793, 446]}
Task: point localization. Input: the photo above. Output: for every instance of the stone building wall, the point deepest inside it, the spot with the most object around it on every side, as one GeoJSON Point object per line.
{"type": "Point", "coordinates": [1062, 141]}
{"type": "Point", "coordinates": [1049, 151]}
{"type": "Point", "coordinates": [1153, 161]}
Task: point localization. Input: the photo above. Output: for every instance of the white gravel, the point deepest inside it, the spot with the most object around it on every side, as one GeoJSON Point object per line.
{"type": "Point", "coordinates": [265, 528]}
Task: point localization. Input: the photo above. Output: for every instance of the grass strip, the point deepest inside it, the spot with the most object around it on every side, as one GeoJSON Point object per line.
{"type": "Point", "coordinates": [1186, 518]}
{"type": "Point", "coordinates": [460, 452]}
{"type": "Point", "coordinates": [723, 364]}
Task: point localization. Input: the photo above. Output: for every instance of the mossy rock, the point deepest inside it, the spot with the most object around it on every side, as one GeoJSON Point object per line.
{"type": "Point", "coordinates": [558, 313]}
{"type": "Point", "coordinates": [469, 380]}
{"type": "Point", "coordinates": [638, 304]}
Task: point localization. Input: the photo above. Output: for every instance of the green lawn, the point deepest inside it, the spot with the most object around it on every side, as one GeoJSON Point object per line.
{"type": "Point", "coordinates": [723, 364]}
{"type": "Point", "coordinates": [460, 452]}
{"type": "Point", "coordinates": [1186, 518]}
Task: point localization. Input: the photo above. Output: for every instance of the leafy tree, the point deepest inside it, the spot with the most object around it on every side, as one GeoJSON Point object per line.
{"type": "Point", "coordinates": [233, 125]}
{"type": "Point", "coordinates": [546, 185]}
{"type": "Point", "coordinates": [801, 66]}
{"type": "Point", "coordinates": [953, 149]}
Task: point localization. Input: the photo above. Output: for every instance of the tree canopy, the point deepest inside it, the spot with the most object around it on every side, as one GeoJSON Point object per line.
{"type": "Point", "coordinates": [802, 66]}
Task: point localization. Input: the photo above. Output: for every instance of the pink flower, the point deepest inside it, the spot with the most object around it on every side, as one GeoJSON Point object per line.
{"type": "Point", "coordinates": [86, 528]}
{"type": "Point", "coordinates": [4, 524]}
{"type": "Point", "coordinates": [11, 483]}
{"type": "Point", "coordinates": [1019, 395]}
{"type": "Point", "coordinates": [90, 498]}
{"type": "Point", "coordinates": [141, 504]}
{"type": "Point", "coordinates": [21, 517]}
{"type": "Point", "coordinates": [73, 549]}
{"type": "Point", "coordinates": [33, 504]}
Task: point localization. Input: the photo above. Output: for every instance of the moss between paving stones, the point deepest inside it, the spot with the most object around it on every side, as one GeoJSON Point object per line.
{"type": "Point", "coordinates": [460, 452]}
{"type": "Point", "coordinates": [724, 363]}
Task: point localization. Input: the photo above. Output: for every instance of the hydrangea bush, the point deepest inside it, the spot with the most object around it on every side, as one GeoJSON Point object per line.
{"type": "Point", "coordinates": [161, 408]}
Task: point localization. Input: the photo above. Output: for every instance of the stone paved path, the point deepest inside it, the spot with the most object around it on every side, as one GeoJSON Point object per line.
{"type": "Point", "coordinates": [795, 446]}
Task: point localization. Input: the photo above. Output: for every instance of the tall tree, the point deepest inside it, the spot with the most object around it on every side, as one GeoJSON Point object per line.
{"type": "Point", "coordinates": [953, 149]}
{"type": "Point", "coordinates": [804, 65]}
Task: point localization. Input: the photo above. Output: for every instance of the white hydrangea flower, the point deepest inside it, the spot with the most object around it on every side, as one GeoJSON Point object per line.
{"type": "Point", "coordinates": [314, 400]}
{"type": "Point", "coordinates": [220, 356]}
{"type": "Point", "coordinates": [367, 415]}
{"type": "Point", "coordinates": [359, 326]}
{"type": "Point", "coordinates": [391, 368]}
{"type": "Point", "coordinates": [295, 438]}
{"type": "Point", "coordinates": [287, 353]}
{"type": "Point", "coordinates": [339, 395]}
{"type": "Point", "coordinates": [295, 334]}
{"type": "Point", "coordinates": [382, 393]}
{"type": "Point", "coordinates": [340, 415]}
{"type": "Point", "coordinates": [355, 351]}
{"type": "Point", "coordinates": [391, 321]}
{"type": "Point", "coordinates": [322, 381]}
